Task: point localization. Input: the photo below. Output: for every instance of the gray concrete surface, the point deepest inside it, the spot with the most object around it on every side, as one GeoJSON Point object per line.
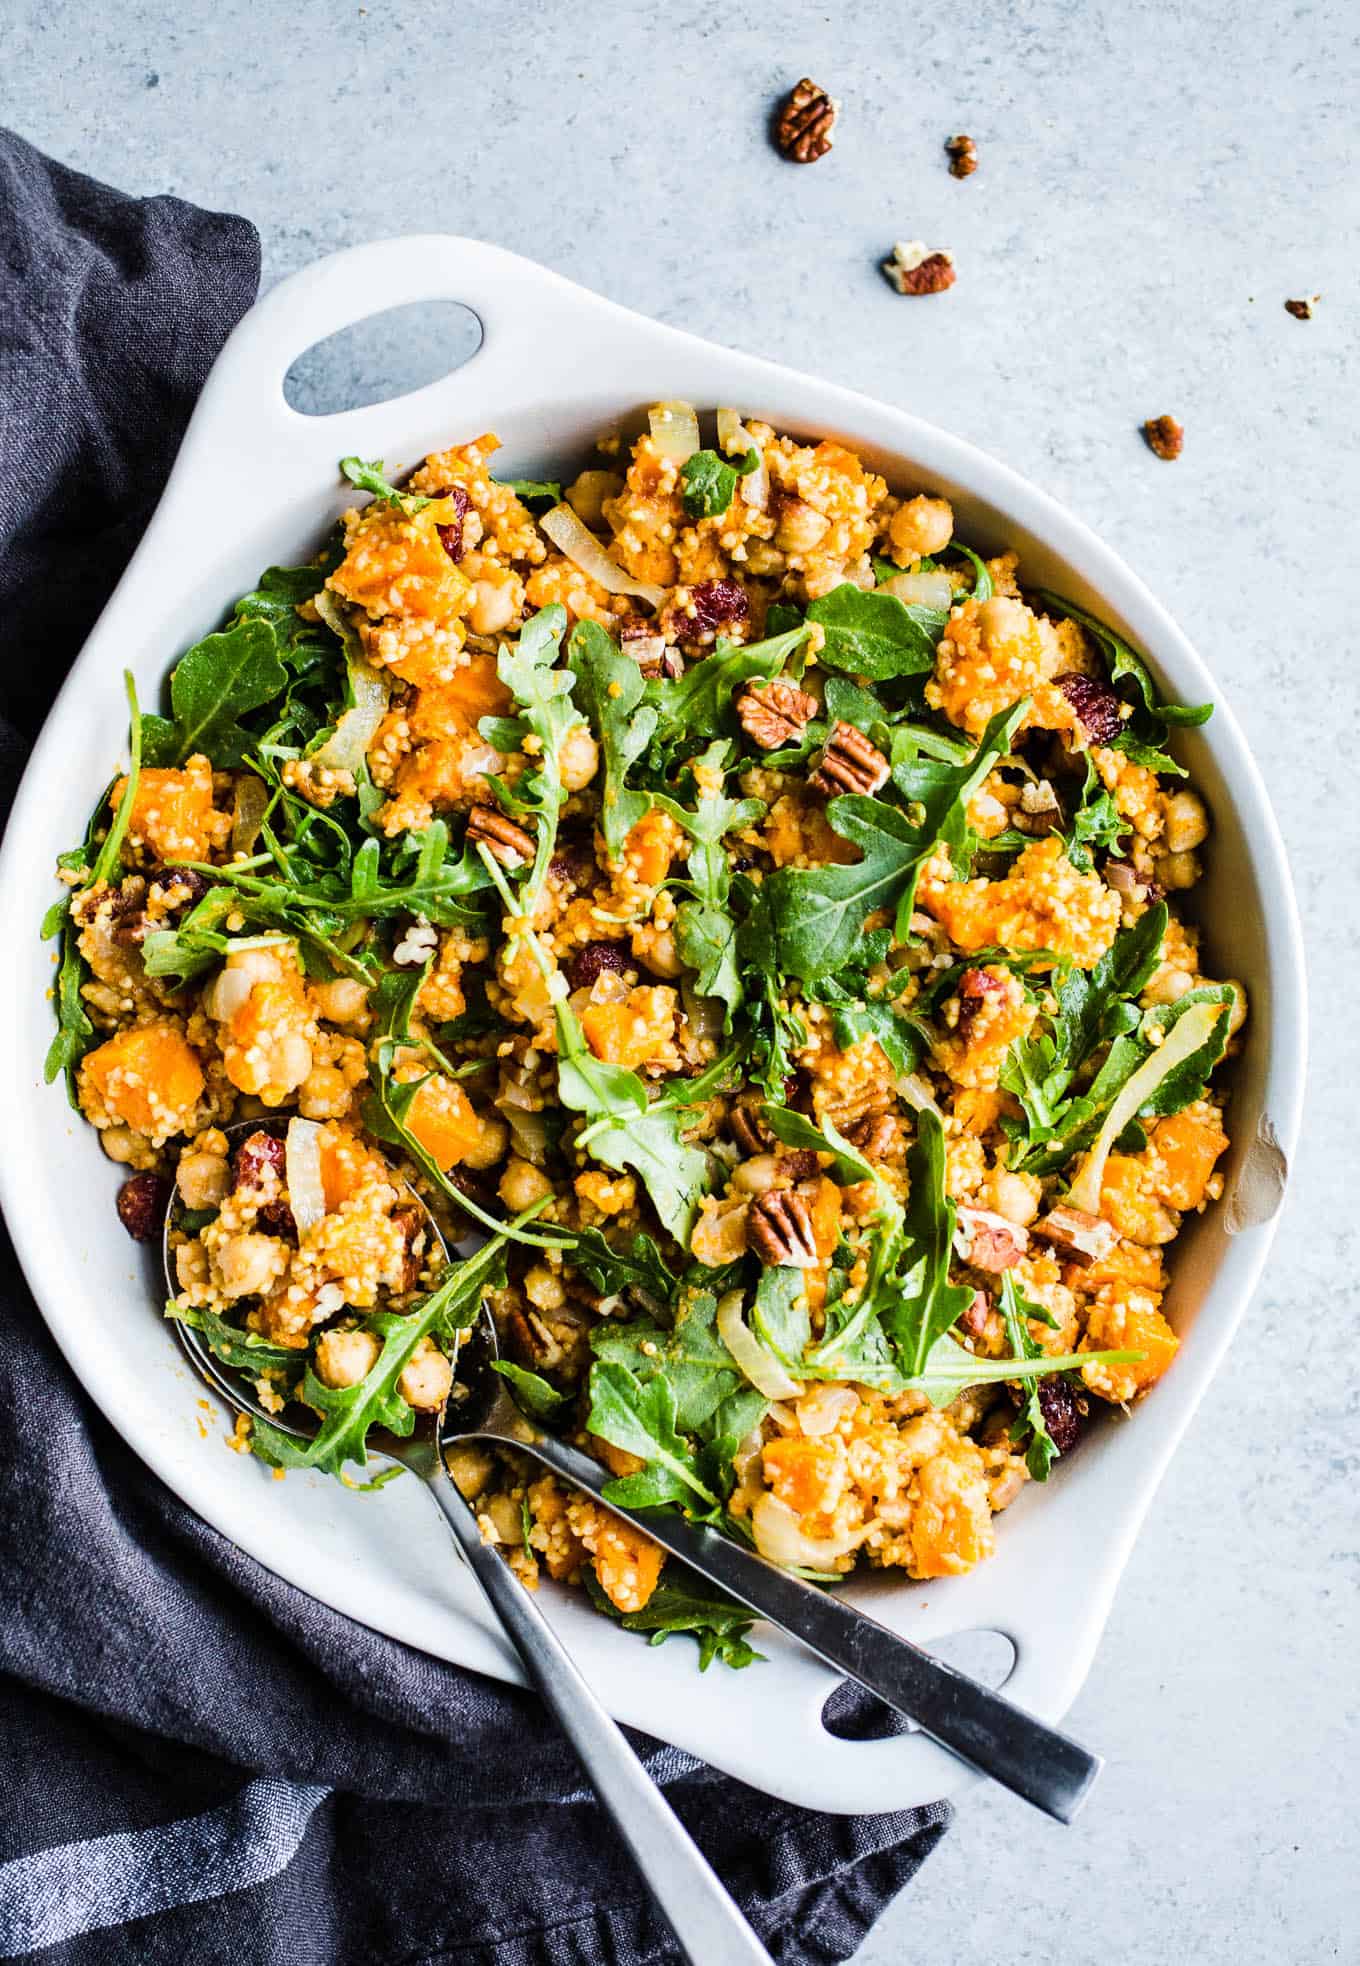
{"type": "Point", "coordinates": [1155, 182]}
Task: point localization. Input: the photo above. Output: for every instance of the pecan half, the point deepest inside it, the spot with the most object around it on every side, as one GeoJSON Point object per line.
{"type": "Point", "coordinates": [775, 714]}
{"type": "Point", "coordinates": [989, 1242]}
{"type": "Point", "coordinates": [876, 1135]}
{"type": "Point", "coordinates": [1082, 1238]}
{"type": "Point", "coordinates": [849, 763]}
{"type": "Point", "coordinates": [779, 1230]}
{"type": "Point", "coordinates": [748, 1129]}
{"type": "Point", "coordinates": [1165, 437]}
{"type": "Point", "coordinates": [503, 839]}
{"type": "Point", "coordinates": [916, 269]}
{"type": "Point", "coordinates": [804, 127]}
{"type": "Point", "coordinates": [963, 159]}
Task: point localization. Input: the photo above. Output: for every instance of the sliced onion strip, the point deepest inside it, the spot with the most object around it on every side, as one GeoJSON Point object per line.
{"type": "Point", "coordinates": [737, 441]}
{"type": "Point", "coordinates": [567, 532]}
{"type": "Point", "coordinates": [347, 746]}
{"type": "Point", "coordinates": [302, 1167]}
{"type": "Point", "coordinates": [755, 1361]}
{"type": "Point", "coordinates": [779, 1537]}
{"type": "Point", "coordinates": [248, 810]}
{"type": "Point", "coordinates": [917, 1093]}
{"type": "Point", "coordinates": [675, 429]}
{"type": "Point", "coordinates": [1191, 1029]}
{"type": "Point", "coordinates": [922, 590]}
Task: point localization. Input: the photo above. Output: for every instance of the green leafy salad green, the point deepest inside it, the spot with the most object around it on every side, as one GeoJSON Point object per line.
{"type": "Point", "coordinates": [817, 1081]}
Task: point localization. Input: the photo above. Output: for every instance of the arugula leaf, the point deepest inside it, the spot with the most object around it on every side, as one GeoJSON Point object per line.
{"type": "Point", "coordinates": [819, 914]}
{"type": "Point", "coordinates": [348, 1413]}
{"type": "Point", "coordinates": [705, 928]}
{"type": "Point", "coordinates": [544, 692]}
{"type": "Point", "coordinates": [950, 1369]}
{"type": "Point", "coordinates": [369, 478]}
{"type": "Point", "coordinates": [641, 1418]}
{"type": "Point", "coordinates": [928, 1304]}
{"type": "Point", "coordinates": [689, 1353]}
{"type": "Point", "coordinates": [710, 480]}
{"type": "Point", "coordinates": [539, 1399]}
{"type": "Point", "coordinates": [1096, 823]}
{"type": "Point", "coordinates": [75, 1033]}
{"type": "Point", "coordinates": [717, 1623]}
{"type": "Point", "coordinates": [533, 491]}
{"type": "Point", "coordinates": [244, 1351]}
{"type": "Point", "coordinates": [1125, 664]}
{"type": "Point", "coordinates": [1030, 1425]}
{"type": "Point", "coordinates": [857, 1014]}
{"type": "Point", "coordinates": [213, 685]}
{"type": "Point", "coordinates": [611, 686]}
{"type": "Point", "coordinates": [636, 1269]}
{"type": "Point", "coordinates": [874, 634]}
{"type": "Point", "coordinates": [695, 707]}
{"type": "Point", "coordinates": [779, 1316]}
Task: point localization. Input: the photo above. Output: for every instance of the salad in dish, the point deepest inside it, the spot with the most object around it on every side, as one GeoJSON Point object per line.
{"type": "Point", "coordinates": [745, 917]}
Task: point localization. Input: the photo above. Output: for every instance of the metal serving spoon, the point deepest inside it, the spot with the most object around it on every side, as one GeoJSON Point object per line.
{"type": "Point", "coordinates": [990, 1733]}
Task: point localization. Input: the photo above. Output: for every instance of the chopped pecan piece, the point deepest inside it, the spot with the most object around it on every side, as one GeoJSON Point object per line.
{"type": "Point", "coordinates": [411, 1222]}
{"type": "Point", "coordinates": [1303, 310]}
{"type": "Point", "coordinates": [1082, 1238]}
{"type": "Point", "coordinates": [748, 1129]}
{"type": "Point", "coordinates": [799, 1163]}
{"type": "Point", "coordinates": [503, 839]}
{"type": "Point", "coordinates": [653, 655]}
{"type": "Point", "coordinates": [875, 1135]}
{"type": "Point", "coordinates": [988, 1241]}
{"type": "Point", "coordinates": [775, 714]}
{"type": "Point", "coordinates": [779, 1230]}
{"type": "Point", "coordinates": [975, 986]}
{"type": "Point", "coordinates": [974, 1319]}
{"type": "Point", "coordinates": [914, 269]}
{"type": "Point", "coordinates": [849, 763]}
{"type": "Point", "coordinates": [1165, 437]}
{"type": "Point", "coordinates": [804, 127]}
{"type": "Point", "coordinates": [963, 159]}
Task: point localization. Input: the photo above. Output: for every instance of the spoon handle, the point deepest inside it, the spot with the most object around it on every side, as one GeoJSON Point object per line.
{"type": "Point", "coordinates": [990, 1733]}
{"type": "Point", "coordinates": [687, 1891]}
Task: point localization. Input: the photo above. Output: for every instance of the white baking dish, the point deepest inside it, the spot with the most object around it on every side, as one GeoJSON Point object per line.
{"type": "Point", "coordinates": [256, 483]}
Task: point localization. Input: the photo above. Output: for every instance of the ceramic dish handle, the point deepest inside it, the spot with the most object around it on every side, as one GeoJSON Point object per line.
{"type": "Point", "coordinates": [249, 422]}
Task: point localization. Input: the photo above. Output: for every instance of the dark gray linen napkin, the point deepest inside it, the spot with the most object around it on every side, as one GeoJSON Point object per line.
{"type": "Point", "coordinates": [200, 1762]}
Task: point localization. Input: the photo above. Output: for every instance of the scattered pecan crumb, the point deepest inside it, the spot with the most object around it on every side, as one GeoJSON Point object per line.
{"type": "Point", "coordinates": [915, 269]}
{"type": "Point", "coordinates": [774, 714]}
{"type": "Point", "coordinates": [989, 1241]}
{"type": "Point", "coordinates": [803, 128]}
{"type": "Point", "coordinates": [505, 841]}
{"type": "Point", "coordinates": [1081, 1238]}
{"type": "Point", "coordinates": [747, 1128]}
{"type": "Point", "coordinates": [963, 159]}
{"type": "Point", "coordinates": [779, 1229]}
{"type": "Point", "coordinates": [875, 1135]}
{"type": "Point", "coordinates": [849, 763]}
{"type": "Point", "coordinates": [1165, 437]}
{"type": "Point", "coordinates": [1303, 310]}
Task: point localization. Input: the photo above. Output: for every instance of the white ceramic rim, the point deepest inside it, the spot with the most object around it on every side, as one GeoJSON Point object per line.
{"type": "Point", "coordinates": [549, 344]}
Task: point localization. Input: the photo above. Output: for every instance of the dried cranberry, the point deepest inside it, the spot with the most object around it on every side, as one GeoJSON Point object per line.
{"type": "Point", "coordinates": [1100, 712]}
{"type": "Point", "coordinates": [975, 986]}
{"type": "Point", "coordinates": [141, 1205]}
{"type": "Point", "coordinates": [594, 959]}
{"type": "Point", "coordinates": [452, 533]}
{"type": "Point", "coordinates": [184, 883]}
{"type": "Point", "coordinates": [716, 603]}
{"type": "Point", "coordinates": [257, 1152]}
{"type": "Point", "coordinates": [574, 863]}
{"type": "Point", "coordinates": [1062, 1413]}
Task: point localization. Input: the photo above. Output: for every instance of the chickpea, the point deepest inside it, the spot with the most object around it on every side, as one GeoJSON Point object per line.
{"type": "Point", "coordinates": [426, 1379]}
{"type": "Point", "coordinates": [1003, 620]}
{"type": "Point", "coordinates": [1187, 823]}
{"type": "Point", "coordinates": [121, 1144]}
{"type": "Point", "coordinates": [247, 1264]}
{"type": "Point", "coordinates": [1177, 870]}
{"type": "Point", "coordinates": [503, 1512]}
{"type": "Point", "coordinates": [757, 1175]}
{"type": "Point", "coordinates": [587, 494]}
{"type": "Point", "coordinates": [579, 758]}
{"type": "Point", "coordinates": [543, 1288]}
{"type": "Point", "coordinates": [522, 1185]}
{"type": "Point", "coordinates": [471, 1467]}
{"type": "Point", "coordinates": [343, 1001]}
{"type": "Point", "coordinates": [921, 526]}
{"type": "Point", "coordinates": [204, 1180]}
{"type": "Point", "coordinates": [292, 1062]}
{"type": "Point", "coordinates": [1169, 986]}
{"type": "Point", "coordinates": [493, 1138]}
{"type": "Point", "coordinates": [762, 559]}
{"type": "Point", "coordinates": [324, 1094]}
{"type": "Point", "coordinates": [801, 527]}
{"type": "Point", "coordinates": [343, 1358]}
{"type": "Point", "coordinates": [1016, 1196]}
{"type": "Point", "coordinates": [655, 949]}
{"type": "Point", "coordinates": [494, 600]}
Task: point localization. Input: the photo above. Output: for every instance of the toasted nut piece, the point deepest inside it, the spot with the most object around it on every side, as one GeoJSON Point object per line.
{"type": "Point", "coordinates": [849, 763]}
{"type": "Point", "coordinates": [1082, 1238]}
{"type": "Point", "coordinates": [804, 127]}
{"type": "Point", "coordinates": [1165, 437]}
{"type": "Point", "coordinates": [505, 841]}
{"type": "Point", "coordinates": [913, 269]}
{"type": "Point", "coordinates": [779, 1230]}
{"type": "Point", "coordinates": [653, 656]}
{"type": "Point", "coordinates": [974, 1319]}
{"type": "Point", "coordinates": [748, 1129]}
{"type": "Point", "coordinates": [1303, 310]}
{"type": "Point", "coordinates": [962, 156]}
{"type": "Point", "coordinates": [988, 1241]}
{"type": "Point", "coordinates": [773, 714]}
{"type": "Point", "coordinates": [875, 1135]}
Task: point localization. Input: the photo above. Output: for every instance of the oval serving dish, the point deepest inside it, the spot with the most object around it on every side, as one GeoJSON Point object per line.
{"type": "Point", "coordinates": [256, 484]}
